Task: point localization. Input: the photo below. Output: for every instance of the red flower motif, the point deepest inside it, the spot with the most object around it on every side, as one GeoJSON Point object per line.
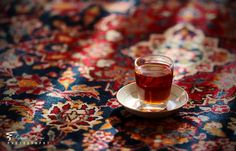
{"type": "Point", "coordinates": [69, 117]}
{"type": "Point", "coordinates": [113, 103]}
{"type": "Point", "coordinates": [55, 110]}
{"type": "Point", "coordinates": [97, 140]}
{"type": "Point", "coordinates": [219, 109]}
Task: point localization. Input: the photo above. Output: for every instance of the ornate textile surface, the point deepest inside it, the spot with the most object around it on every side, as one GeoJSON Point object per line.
{"type": "Point", "coordinates": [62, 62]}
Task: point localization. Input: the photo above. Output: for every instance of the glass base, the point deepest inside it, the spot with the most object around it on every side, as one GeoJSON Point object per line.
{"type": "Point", "coordinates": [152, 107]}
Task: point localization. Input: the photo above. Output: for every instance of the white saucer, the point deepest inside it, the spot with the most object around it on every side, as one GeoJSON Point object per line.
{"type": "Point", "coordinates": [127, 96]}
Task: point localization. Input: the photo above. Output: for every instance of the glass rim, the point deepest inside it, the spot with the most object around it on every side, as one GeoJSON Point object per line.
{"type": "Point", "coordinates": [171, 62]}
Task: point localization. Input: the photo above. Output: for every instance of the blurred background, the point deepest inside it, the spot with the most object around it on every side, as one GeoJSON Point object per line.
{"type": "Point", "coordinates": [19, 19]}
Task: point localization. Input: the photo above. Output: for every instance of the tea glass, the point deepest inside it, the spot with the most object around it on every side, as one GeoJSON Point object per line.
{"type": "Point", "coordinates": [154, 76]}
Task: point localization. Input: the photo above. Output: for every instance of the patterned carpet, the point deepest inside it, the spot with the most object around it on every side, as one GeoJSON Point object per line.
{"type": "Point", "coordinates": [62, 63]}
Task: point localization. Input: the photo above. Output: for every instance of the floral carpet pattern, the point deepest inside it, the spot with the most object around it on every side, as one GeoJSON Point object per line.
{"type": "Point", "coordinates": [62, 63]}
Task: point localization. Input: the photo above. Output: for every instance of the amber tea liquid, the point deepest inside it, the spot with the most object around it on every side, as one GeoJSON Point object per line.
{"type": "Point", "coordinates": [154, 82]}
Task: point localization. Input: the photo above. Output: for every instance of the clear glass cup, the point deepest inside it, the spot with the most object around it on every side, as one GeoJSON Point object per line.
{"type": "Point", "coordinates": [154, 75]}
